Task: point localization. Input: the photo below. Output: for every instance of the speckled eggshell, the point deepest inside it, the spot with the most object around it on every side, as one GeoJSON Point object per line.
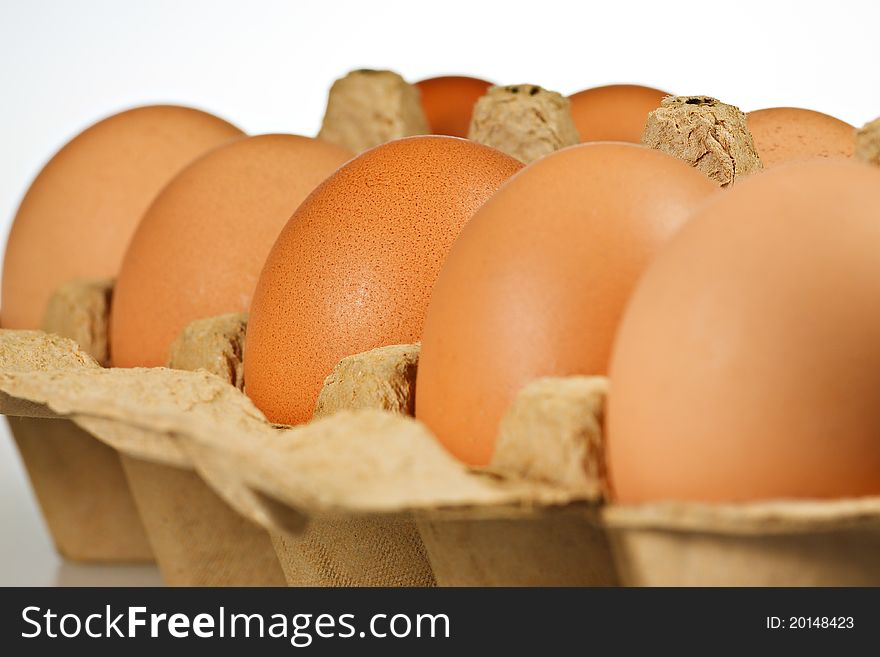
{"type": "Point", "coordinates": [201, 245]}
{"type": "Point", "coordinates": [448, 102]}
{"type": "Point", "coordinates": [747, 366]}
{"type": "Point", "coordinates": [538, 280]}
{"type": "Point", "coordinates": [354, 267]}
{"type": "Point", "coordinates": [80, 212]}
{"type": "Point", "coordinates": [789, 134]}
{"type": "Point", "coordinates": [616, 112]}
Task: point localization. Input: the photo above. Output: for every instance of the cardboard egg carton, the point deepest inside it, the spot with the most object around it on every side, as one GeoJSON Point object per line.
{"type": "Point", "coordinates": [364, 495]}
{"type": "Point", "coordinates": [122, 490]}
{"type": "Point", "coordinates": [78, 481]}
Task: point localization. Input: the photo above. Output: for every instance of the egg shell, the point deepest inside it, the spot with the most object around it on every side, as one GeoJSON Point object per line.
{"type": "Point", "coordinates": [789, 134]}
{"type": "Point", "coordinates": [78, 215]}
{"type": "Point", "coordinates": [748, 366]}
{"type": "Point", "coordinates": [201, 245]}
{"type": "Point", "coordinates": [353, 268]}
{"type": "Point", "coordinates": [615, 112]}
{"type": "Point", "coordinates": [448, 102]}
{"type": "Point", "coordinates": [537, 281]}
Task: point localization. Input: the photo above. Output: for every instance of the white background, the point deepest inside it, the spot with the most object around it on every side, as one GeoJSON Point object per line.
{"type": "Point", "coordinates": [266, 66]}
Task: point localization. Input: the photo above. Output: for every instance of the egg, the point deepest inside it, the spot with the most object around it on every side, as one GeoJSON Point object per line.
{"type": "Point", "coordinates": [201, 245]}
{"type": "Point", "coordinates": [537, 281]}
{"type": "Point", "coordinates": [354, 267]}
{"type": "Point", "coordinates": [615, 112]}
{"type": "Point", "coordinates": [786, 134]}
{"type": "Point", "coordinates": [747, 366]}
{"type": "Point", "coordinates": [79, 213]}
{"type": "Point", "coordinates": [448, 102]}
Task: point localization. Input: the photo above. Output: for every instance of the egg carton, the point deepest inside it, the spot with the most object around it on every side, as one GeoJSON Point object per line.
{"type": "Point", "coordinates": [364, 495]}
{"type": "Point", "coordinates": [157, 507]}
{"type": "Point", "coordinates": [78, 481]}
{"type": "Point", "coordinates": [197, 538]}
{"type": "Point", "coordinates": [82, 492]}
{"type": "Point", "coordinates": [203, 527]}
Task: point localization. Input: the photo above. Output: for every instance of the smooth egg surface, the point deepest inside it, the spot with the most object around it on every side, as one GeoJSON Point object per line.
{"type": "Point", "coordinates": [747, 366]}
{"type": "Point", "coordinates": [448, 102]}
{"type": "Point", "coordinates": [76, 219]}
{"type": "Point", "coordinates": [201, 245]}
{"type": "Point", "coordinates": [616, 112]}
{"type": "Point", "coordinates": [537, 282]}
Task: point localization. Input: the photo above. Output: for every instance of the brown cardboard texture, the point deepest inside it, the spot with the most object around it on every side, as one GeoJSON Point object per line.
{"type": "Point", "coordinates": [80, 309]}
{"type": "Point", "coordinates": [523, 120]}
{"type": "Point", "coordinates": [709, 135]}
{"type": "Point", "coordinates": [215, 344]}
{"type": "Point", "coordinates": [868, 142]}
{"type": "Point", "coordinates": [513, 525]}
{"type": "Point", "coordinates": [198, 539]}
{"type": "Point", "coordinates": [367, 464]}
{"type": "Point", "coordinates": [77, 480]}
{"type": "Point", "coordinates": [198, 536]}
{"type": "Point", "coordinates": [384, 550]}
{"type": "Point", "coordinates": [784, 543]}
{"type": "Point", "coordinates": [167, 491]}
{"type": "Point", "coordinates": [496, 550]}
{"type": "Point", "coordinates": [551, 433]}
{"type": "Point", "coordinates": [367, 108]}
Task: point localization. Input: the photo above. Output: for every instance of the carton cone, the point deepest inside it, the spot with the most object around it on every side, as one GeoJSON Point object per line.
{"type": "Point", "coordinates": [361, 551]}
{"type": "Point", "coordinates": [551, 433]}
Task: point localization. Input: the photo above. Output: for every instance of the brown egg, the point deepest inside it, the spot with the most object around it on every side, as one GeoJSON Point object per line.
{"type": "Point", "coordinates": [353, 268]}
{"type": "Point", "coordinates": [448, 102]}
{"type": "Point", "coordinates": [786, 134]}
{"type": "Point", "coordinates": [747, 366]}
{"type": "Point", "coordinates": [616, 112]}
{"type": "Point", "coordinates": [79, 213]}
{"type": "Point", "coordinates": [537, 281]}
{"type": "Point", "coordinates": [202, 243]}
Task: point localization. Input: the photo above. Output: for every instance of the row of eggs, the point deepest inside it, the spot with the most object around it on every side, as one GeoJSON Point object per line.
{"type": "Point", "coordinates": [742, 367]}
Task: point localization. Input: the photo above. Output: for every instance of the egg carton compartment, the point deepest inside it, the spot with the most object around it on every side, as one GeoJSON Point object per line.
{"type": "Point", "coordinates": [539, 515]}
{"type": "Point", "coordinates": [548, 547]}
{"type": "Point", "coordinates": [779, 543]}
{"type": "Point", "coordinates": [77, 480]}
{"type": "Point", "coordinates": [352, 480]}
{"type": "Point", "coordinates": [365, 495]}
{"type": "Point", "coordinates": [197, 539]}
{"type": "Point", "coordinates": [354, 551]}
{"type": "Point", "coordinates": [188, 526]}
{"type": "Point", "coordinates": [82, 492]}
{"type": "Point", "coordinates": [332, 550]}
